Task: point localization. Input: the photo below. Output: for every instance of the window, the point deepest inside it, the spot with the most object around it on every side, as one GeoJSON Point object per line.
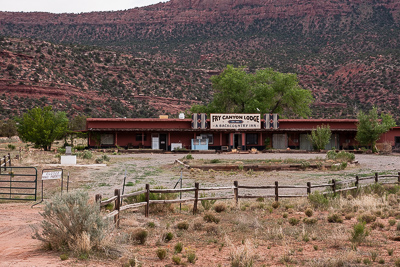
{"type": "Point", "coordinates": [107, 139]}
{"type": "Point", "coordinates": [210, 138]}
{"type": "Point", "coordinates": [139, 137]}
{"type": "Point", "coordinates": [251, 139]}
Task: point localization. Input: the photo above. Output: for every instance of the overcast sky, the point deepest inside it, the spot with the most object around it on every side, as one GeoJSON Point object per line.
{"type": "Point", "coordinates": [73, 6]}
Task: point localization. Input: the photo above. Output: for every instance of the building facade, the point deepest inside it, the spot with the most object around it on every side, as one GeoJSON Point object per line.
{"type": "Point", "coordinates": [223, 132]}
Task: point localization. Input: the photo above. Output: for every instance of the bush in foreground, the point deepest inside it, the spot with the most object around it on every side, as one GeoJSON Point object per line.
{"type": "Point", "coordinates": [72, 223]}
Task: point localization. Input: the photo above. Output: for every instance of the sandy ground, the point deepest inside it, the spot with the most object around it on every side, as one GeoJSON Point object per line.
{"type": "Point", "coordinates": [17, 248]}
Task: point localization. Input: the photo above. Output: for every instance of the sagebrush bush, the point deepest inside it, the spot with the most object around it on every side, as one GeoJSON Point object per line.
{"type": "Point", "coordinates": [71, 221]}
{"type": "Point", "coordinates": [294, 221]}
{"type": "Point", "coordinates": [367, 217]}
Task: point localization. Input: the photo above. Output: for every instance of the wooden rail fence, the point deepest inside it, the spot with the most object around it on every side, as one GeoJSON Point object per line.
{"type": "Point", "coordinates": [3, 162]}
{"type": "Point", "coordinates": [334, 187]}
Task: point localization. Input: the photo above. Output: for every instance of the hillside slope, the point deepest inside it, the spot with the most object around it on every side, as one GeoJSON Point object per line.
{"type": "Point", "coordinates": [345, 52]}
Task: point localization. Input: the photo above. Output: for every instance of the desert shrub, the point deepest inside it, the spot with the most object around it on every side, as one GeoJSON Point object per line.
{"type": "Point", "coordinates": [359, 233]}
{"type": "Point", "coordinates": [184, 225]}
{"type": "Point", "coordinates": [191, 256]}
{"type": "Point", "coordinates": [214, 161]}
{"type": "Point", "coordinates": [71, 221]}
{"type": "Point", "coordinates": [87, 154]}
{"type": "Point", "coordinates": [209, 217]}
{"type": "Point", "coordinates": [207, 204]}
{"type": "Point", "coordinates": [178, 247]}
{"type": "Point", "coordinates": [198, 224]}
{"type": "Point", "coordinates": [367, 217]}
{"type": "Point", "coordinates": [220, 207]}
{"type": "Point", "coordinates": [294, 221]}
{"type": "Point", "coordinates": [10, 146]}
{"type": "Point", "coordinates": [151, 224]}
{"type": "Point", "coordinates": [375, 188]}
{"type": "Point", "coordinates": [64, 257]}
{"type": "Point", "coordinates": [188, 156]}
{"type": "Point", "coordinates": [176, 259]}
{"type": "Point", "coordinates": [161, 253]}
{"type": "Point", "coordinates": [212, 229]}
{"type": "Point", "coordinates": [348, 216]}
{"type": "Point", "coordinates": [309, 212]}
{"type": "Point", "coordinates": [168, 237]}
{"type": "Point", "coordinates": [285, 215]}
{"type": "Point", "coordinates": [275, 204]}
{"type": "Point", "coordinates": [138, 235]}
{"type": "Point", "coordinates": [310, 221]}
{"type": "Point", "coordinates": [335, 218]}
{"type": "Point", "coordinates": [392, 222]}
{"type": "Point", "coordinates": [340, 156]}
{"type": "Point", "coordinates": [377, 225]}
{"type": "Point", "coordinates": [318, 200]}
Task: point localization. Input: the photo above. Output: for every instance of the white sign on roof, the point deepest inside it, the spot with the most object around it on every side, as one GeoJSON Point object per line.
{"type": "Point", "coordinates": [51, 175]}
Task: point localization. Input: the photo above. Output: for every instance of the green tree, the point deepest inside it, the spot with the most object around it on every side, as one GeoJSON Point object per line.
{"type": "Point", "coordinates": [8, 128]}
{"type": "Point", "coordinates": [320, 137]}
{"type": "Point", "coordinates": [42, 126]}
{"type": "Point", "coordinates": [370, 127]}
{"type": "Point", "coordinates": [78, 123]}
{"type": "Point", "coordinates": [266, 91]}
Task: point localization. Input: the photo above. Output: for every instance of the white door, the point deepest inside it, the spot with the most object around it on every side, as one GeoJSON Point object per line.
{"type": "Point", "coordinates": [155, 143]}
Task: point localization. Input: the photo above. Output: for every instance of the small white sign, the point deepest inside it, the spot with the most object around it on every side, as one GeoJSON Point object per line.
{"type": "Point", "coordinates": [51, 175]}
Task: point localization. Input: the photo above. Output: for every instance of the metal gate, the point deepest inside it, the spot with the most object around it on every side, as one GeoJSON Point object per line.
{"type": "Point", "coordinates": [18, 183]}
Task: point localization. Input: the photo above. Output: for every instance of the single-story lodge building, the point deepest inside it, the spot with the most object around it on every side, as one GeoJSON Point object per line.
{"type": "Point", "coordinates": [223, 132]}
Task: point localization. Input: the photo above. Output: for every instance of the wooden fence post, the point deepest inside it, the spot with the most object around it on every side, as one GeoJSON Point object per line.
{"type": "Point", "coordinates": [334, 186]}
{"type": "Point", "coordinates": [98, 200]}
{"type": "Point", "coordinates": [276, 191]}
{"type": "Point", "coordinates": [236, 191]}
{"type": "Point", "coordinates": [398, 177]}
{"type": "Point", "coordinates": [196, 197]}
{"type": "Point", "coordinates": [117, 193]}
{"type": "Point", "coordinates": [147, 200]}
{"type": "Point", "coordinates": [308, 188]}
{"type": "Point", "coordinates": [9, 160]}
{"type": "Point", "coordinates": [357, 181]}
{"type": "Point", "coordinates": [376, 177]}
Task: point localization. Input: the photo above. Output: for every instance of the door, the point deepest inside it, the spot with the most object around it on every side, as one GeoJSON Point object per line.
{"type": "Point", "coordinates": [237, 141]}
{"type": "Point", "coordinates": [333, 143]}
{"type": "Point", "coordinates": [279, 141]}
{"type": "Point", "coordinates": [163, 142]}
{"type": "Point", "coordinates": [155, 141]}
{"type": "Point", "coordinates": [305, 143]}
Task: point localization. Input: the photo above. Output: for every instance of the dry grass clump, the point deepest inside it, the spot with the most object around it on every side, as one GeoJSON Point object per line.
{"type": "Point", "coordinates": [242, 256]}
{"type": "Point", "coordinates": [335, 218]}
{"type": "Point", "coordinates": [198, 224]}
{"type": "Point", "coordinates": [184, 225]}
{"type": "Point", "coordinates": [309, 212]}
{"type": "Point", "coordinates": [210, 217]}
{"type": "Point", "coordinates": [275, 204]}
{"type": "Point", "coordinates": [219, 207]}
{"type": "Point", "coordinates": [138, 235]}
{"type": "Point", "coordinates": [367, 217]}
